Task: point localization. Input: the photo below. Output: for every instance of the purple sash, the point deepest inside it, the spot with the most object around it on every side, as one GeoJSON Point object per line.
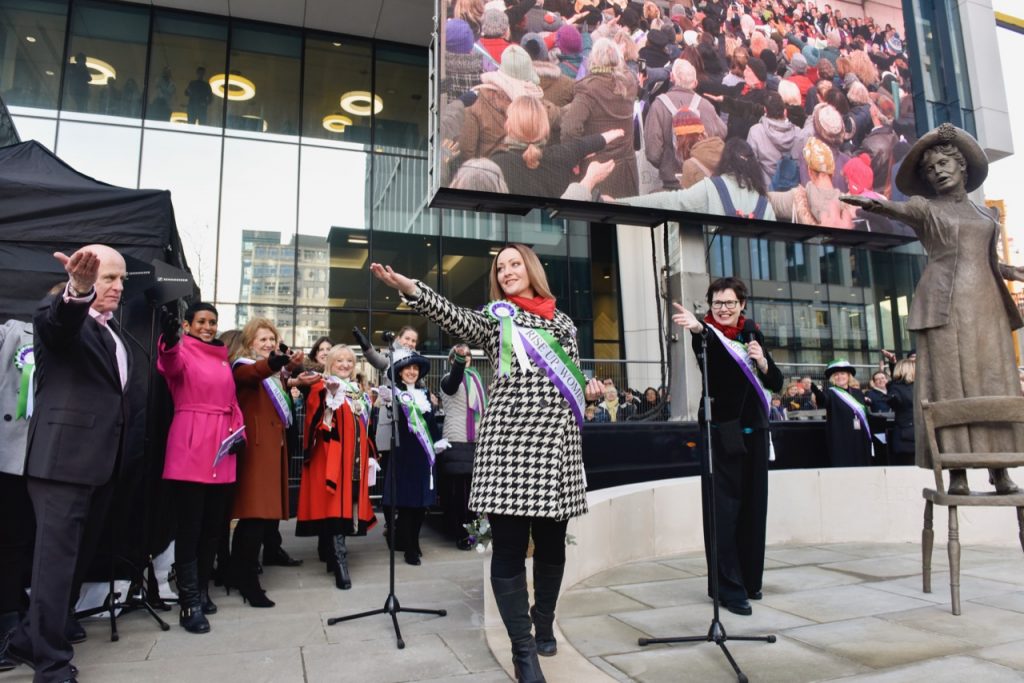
{"type": "Point", "coordinates": [738, 352]}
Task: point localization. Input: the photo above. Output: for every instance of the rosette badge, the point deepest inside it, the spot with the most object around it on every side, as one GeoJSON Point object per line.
{"type": "Point", "coordinates": [505, 313]}
{"type": "Point", "coordinates": [25, 361]}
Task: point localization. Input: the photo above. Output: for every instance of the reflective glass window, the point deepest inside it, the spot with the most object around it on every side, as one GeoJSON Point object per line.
{"type": "Point", "coordinates": [256, 248]}
{"type": "Point", "coordinates": [398, 196]}
{"type": "Point", "coordinates": [313, 322]}
{"type": "Point", "coordinates": [547, 236]}
{"type": "Point", "coordinates": [414, 256]}
{"type": "Point", "coordinates": [264, 79]}
{"type": "Point", "coordinates": [400, 89]}
{"type": "Point", "coordinates": [187, 51]}
{"type": "Point", "coordinates": [349, 274]}
{"type": "Point", "coordinates": [283, 318]}
{"type": "Point", "coordinates": [106, 61]}
{"type": "Point", "coordinates": [470, 242]}
{"type": "Point", "coordinates": [189, 166]}
{"type": "Point", "coordinates": [43, 131]}
{"type": "Point", "coordinates": [336, 90]}
{"type": "Point", "coordinates": [31, 51]}
{"type": "Point", "coordinates": [332, 190]}
{"type": "Point", "coordinates": [105, 152]}
{"type": "Point", "coordinates": [599, 292]}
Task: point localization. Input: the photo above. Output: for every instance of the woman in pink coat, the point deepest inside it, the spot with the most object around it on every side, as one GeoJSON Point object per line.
{"type": "Point", "coordinates": [201, 445]}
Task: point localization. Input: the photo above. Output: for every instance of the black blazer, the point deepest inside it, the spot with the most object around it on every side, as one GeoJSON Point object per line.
{"type": "Point", "coordinates": [77, 429]}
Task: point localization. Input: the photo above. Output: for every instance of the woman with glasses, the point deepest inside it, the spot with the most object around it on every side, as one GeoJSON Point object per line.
{"type": "Point", "coordinates": [741, 379]}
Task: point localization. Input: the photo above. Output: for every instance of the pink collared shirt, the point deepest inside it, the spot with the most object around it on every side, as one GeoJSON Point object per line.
{"type": "Point", "coordinates": [102, 319]}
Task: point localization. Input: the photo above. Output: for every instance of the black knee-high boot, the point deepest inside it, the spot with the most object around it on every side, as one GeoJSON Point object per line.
{"type": "Point", "coordinates": [514, 607]}
{"type": "Point", "coordinates": [207, 549]}
{"type": "Point", "coordinates": [547, 582]}
{"type": "Point", "coordinates": [341, 577]}
{"type": "Point", "coordinates": [191, 615]}
{"type": "Point", "coordinates": [245, 561]}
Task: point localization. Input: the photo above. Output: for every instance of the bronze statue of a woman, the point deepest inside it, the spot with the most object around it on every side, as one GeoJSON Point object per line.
{"type": "Point", "coordinates": [962, 313]}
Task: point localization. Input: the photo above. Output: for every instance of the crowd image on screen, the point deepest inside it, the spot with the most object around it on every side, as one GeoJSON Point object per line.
{"type": "Point", "coordinates": [643, 103]}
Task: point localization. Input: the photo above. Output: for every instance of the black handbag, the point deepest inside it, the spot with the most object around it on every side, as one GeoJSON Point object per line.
{"type": "Point", "coordinates": [457, 460]}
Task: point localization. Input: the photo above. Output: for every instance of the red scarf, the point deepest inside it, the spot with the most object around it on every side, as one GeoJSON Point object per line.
{"type": "Point", "coordinates": [729, 331]}
{"type": "Point", "coordinates": [538, 305]}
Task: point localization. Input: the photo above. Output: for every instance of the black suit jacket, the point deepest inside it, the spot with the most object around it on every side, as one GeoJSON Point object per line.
{"type": "Point", "coordinates": [77, 429]}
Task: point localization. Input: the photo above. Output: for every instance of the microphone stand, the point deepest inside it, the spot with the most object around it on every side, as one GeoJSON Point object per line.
{"type": "Point", "coordinates": [716, 632]}
{"type": "Point", "coordinates": [391, 605]}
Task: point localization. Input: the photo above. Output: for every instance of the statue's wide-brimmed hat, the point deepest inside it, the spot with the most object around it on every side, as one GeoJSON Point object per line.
{"type": "Point", "coordinates": [404, 358]}
{"type": "Point", "coordinates": [910, 181]}
{"type": "Point", "coordinates": [839, 365]}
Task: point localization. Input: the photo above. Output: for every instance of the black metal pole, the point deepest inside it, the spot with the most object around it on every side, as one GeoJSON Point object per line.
{"type": "Point", "coordinates": [716, 632]}
{"type": "Point", "coordinates": [391, 605]}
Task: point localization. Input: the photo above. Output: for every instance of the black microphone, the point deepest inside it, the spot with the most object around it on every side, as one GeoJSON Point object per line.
{"type": "Point", "coordinates": [388, 336]}
{"type": "Point", "coordinates": [749, 332]}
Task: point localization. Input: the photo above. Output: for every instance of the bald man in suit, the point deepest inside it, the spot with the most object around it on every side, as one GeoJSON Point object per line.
{"type": "Point", "coordinates": [76, 437]}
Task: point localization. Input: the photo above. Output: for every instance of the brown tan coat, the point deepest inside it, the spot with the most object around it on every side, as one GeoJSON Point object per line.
{"type": "Point", "coordinates": [262, 491]}
{"type": "Point", "coordinates": [595, 109]}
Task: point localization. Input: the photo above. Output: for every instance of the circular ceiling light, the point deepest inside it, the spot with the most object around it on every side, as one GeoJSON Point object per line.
{"type": "Point", "coordinates": [358, 102]}
{"type": "Point", "coordinates": [179, 117]}
{"type": "Point", "coordinates": [239, 88]}
{"type": "Point", "coordinates": [260, 122]}
{"type": "Point", "coordinates": [336, 123]}
{"type": "Point", "coordinates": [30, 39]}
{"type": "Point", "coordinates": [99, 71]}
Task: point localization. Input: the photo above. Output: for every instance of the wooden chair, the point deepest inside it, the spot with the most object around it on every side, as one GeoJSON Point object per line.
{"type": "Point", "coordinates": [955, 413]}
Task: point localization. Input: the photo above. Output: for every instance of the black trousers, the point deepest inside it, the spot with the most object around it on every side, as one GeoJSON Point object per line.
{"type": "Point", "coordinates": [245, 545]}
{"type": "Point", "coordinates": [741, 504]}
{"type": "Point", "coordinates": [17, 531]}
{"type": "Point", "coordinates": [455, 474]}
{"type": "Point", "coordinates": [69, 519]}
{"type": "Point", "coordinates": [199, 513]}
{"type": "Point", "coordinates": [511, 537]}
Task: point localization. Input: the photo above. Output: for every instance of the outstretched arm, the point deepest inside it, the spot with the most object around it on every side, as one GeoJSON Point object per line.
{"type": "Point", "coordinates": [910, 212]}
{"type": "Point", "coordinates": [1011, 272]}
{"type": "Point", "coordinates": [471, 326]}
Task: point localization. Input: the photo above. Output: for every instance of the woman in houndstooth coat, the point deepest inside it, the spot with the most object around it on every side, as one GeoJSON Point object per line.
{"type": "Point", "coordinates": [528, 469]}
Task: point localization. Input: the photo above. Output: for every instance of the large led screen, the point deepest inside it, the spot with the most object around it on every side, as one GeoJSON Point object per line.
{"type": "Point", "coordinates": [763, 110]}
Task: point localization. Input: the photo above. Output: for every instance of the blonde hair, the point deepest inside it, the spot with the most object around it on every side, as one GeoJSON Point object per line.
{"type": "Point", "coordinates": [248, 336]}
{"type": "Point", "coordinates": [905, 370]}
{"type": "Point", "coordinates": [336, 352]}
{"type": "Point", "coordinates": [534, 269]}
{"type": "Point", "coordinates": [651, 11]}
{"type": "Point", "coordinates": [789, 92]}
{"type": "Point", "coordinates": [863, 67]}
{"type": "Point", "coordinates": [527, 123]}
{"type": "Point", "coordinates": [471, 11]}
{"type": "Point", "coordinates": [628, 48]}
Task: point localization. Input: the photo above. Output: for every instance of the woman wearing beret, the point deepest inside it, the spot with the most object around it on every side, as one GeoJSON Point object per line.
{"type": "Point", "coordinates": [847, 432]}
{"type": "Point", "coordinates": [200, 472]}
{"type": "Point", "coordinates": [528, 468]}
{"type": "Point", "coordinates": [414, 488]}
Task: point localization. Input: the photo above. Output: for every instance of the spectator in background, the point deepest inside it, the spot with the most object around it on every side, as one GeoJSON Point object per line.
{"type": "Point", "coordinates": [612, 408]}
{"type": "Point", "coordinates": [794, 398]}
{"type": "Point", "coordinates": [494, 35]}
{"type": "Point", "coordinates": [901, 399]}
{"type": "Point", "coordinates": [463, 64]}
{"type": "Point", "coordinates": [877, 397]}
{"type": "Point", "coordinates": [772, 138]}
{"type": "Point", "coordinates": [604, 102]}
{"type": "Point", "coordinates": [558, 88]}
{"type": "Point", "coordinates": [660, 140]}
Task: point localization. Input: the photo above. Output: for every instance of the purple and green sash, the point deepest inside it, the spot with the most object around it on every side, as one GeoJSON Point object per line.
{"type": "Point", "coordinates": [738, 352]}
{"type": "Point", "coordinates": [25, 360]}
{"type": "Point", "coordinates": [476, 401]}
{"type": "Point", "coordinates": [279, 398]}
{"type": "Point", "coordinates": [543, 349]}
{"type": "Point", "coordinates": [858, 409]}
{"type": "Point", "coordinates": [417, 424]}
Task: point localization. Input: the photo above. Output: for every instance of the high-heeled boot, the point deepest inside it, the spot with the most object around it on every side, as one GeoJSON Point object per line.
{"type": "Point", "coordinates": [191, 616]}
{"type": "Point", "coordinates": [514, 606]}
{"type": "Point", "coordinates": [1000, 478]}
{"type": "Point", "coordinates": [341, 577]}
{"type": "Point", "coordinates": [547, 582]}
{"type": "Point", "coordinates": [245, 562]}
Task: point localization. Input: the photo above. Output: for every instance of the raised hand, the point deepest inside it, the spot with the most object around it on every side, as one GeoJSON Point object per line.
{"type": "Point", "coordinates": [82, 268]}
{"type": "Point", "coordinates": [684, 318]}
{"type": "Point", "coordinates": [392, 279]}
{"type": "Point", "coordinates": [594, 389]}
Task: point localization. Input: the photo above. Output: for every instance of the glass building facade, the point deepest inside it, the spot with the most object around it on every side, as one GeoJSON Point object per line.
{"type": "Point", "coordinates": [296, 158]}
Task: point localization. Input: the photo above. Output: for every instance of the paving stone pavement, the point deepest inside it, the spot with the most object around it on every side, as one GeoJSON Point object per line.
{"type": "Point", "coordinates": [850, 612]}
{"type": "Point", "coordinates": [840, 612]}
